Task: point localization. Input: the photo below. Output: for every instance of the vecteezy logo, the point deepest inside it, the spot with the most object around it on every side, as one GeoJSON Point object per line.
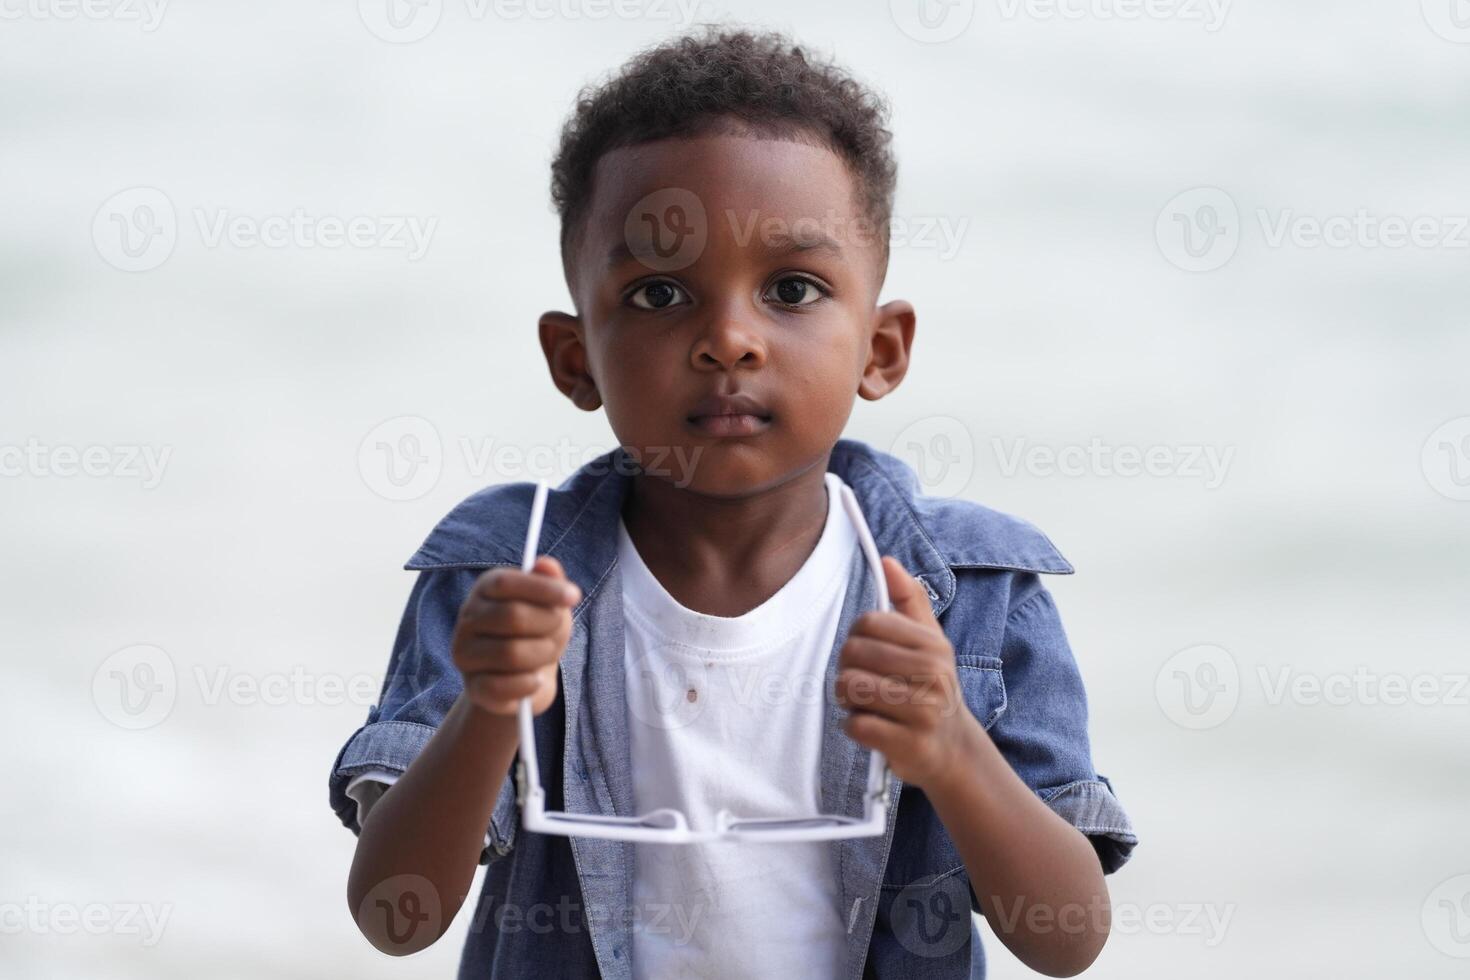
{"type": "Point", "coordinates": [932, 21]}
{"type": "Point", "coordinates": [1199, 230]}
{"type": "Point", "coordinates": [135, 230]}
{"type": "Point", "coordinates": [1446, 459]}
{"type": "Point", "coordinates": [405, 909]}
{"type": "Point", "coordinates": [402, 458]}
{"type": "Point", "coordinates": [932, 917]}
{"type": "Point", "coordinates": [1450, 19]}
{"type": "Point", "coordinates": [1446, 917]}
{"type": "Point", "coordinates": [667, 230]}
{"type": "Point", "coordinates": [400, 21]}
{"type": "Point", "coordinates": [135, 688]}
{"type": "Point", "coordinates": [941, 452]}
{"type": "Point", "coordinates": [402, 920]}
{"type": "Point", "coordinates": [1198, 687]}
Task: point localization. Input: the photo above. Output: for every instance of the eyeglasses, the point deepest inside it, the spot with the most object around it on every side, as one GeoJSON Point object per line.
{"type": "Point", "coordinates": [668, 826]}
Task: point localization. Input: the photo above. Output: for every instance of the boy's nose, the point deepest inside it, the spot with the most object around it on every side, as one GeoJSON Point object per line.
{"type": "Point", "coordinates": [728, 341]}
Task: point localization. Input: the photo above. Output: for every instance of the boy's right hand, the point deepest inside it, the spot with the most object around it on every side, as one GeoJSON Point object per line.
{"type": "Point", "coordinates": [511, 632]}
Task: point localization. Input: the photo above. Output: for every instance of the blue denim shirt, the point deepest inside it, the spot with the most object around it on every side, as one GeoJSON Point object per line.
{"type": "Point", "coordinates": [562, 907]}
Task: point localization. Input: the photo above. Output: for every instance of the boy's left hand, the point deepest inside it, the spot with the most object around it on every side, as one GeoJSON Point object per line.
{"type": "Point", "coordinates": [897, 678]}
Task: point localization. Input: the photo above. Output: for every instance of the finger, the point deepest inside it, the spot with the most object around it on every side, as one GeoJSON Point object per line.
{"type": "Point", "coordinates": [906, 593]}
{"type": "Point", "coordinates": [876, 732]}
{"type": "Point", "coordinates": [502, 655]}
{"type": "Point", "coordinates": [550, 567]}
{"type": "Point", "coordinates": [891, 697]}
{"type": "Point", "coordinates": [500, 692]}
{"type": "Point", "coordinates": [546, 584]}
{"type": "Point", "coordinates": [510, 617]}
{"type": "Point", "coordinates": [882, 657]}
{"type": "Point", "coordinates": [895, 627]}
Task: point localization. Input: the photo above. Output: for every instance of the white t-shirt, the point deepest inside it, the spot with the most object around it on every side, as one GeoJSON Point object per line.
{"type": "Point", "coordinates": [727, 712]}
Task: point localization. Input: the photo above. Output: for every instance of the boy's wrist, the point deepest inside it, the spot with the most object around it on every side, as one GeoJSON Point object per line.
{"type": "Point", "coordinates": [477, 724]}
{"type": "Point", "coordinates": [972, 749]}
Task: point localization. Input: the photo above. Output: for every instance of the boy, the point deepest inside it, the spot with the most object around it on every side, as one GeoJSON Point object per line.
{"type": "Point", "coordinates": [725, 204]}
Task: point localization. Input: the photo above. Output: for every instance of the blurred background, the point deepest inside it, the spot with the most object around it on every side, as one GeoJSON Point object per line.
{"type": "Point", "coordinates": [1192, 281]}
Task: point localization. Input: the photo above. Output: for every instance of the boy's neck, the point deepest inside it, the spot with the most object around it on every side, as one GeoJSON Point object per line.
{"type": "Point", "coordinates": [725, 556]}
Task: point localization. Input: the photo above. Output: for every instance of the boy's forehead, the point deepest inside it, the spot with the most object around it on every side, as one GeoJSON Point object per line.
{"type": "Point", "coordinates": [750, 190]}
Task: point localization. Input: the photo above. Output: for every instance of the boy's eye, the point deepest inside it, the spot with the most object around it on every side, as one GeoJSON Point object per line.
{"type": "Point", "coordinates": [795, 291]}
{"type": "Point", "coordinates": [655, 296]}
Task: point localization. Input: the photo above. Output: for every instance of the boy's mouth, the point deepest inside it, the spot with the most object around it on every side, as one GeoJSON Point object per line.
{"type": "Point", "coordinates": [729, 415]}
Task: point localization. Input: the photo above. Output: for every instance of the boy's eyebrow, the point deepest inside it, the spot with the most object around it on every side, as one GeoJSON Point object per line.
{"type": "Point", "coordinates": [784, 243]}
{"type": "Point", "coordinates": [777, 243]}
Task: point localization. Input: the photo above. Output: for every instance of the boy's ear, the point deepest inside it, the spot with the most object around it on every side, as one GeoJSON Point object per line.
{"type": "Point", "coordinates": [888, 354]}
{"type": "Point", "coordinates": [566, 357]}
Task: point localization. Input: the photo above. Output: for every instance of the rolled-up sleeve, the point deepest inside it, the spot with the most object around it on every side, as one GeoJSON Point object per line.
{"type": "Point", "coordinates": [421, 686]}
{"type": "Point", "coordinates": [1043, 732]}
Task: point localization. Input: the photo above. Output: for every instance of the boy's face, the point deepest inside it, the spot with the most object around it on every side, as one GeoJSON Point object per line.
{"type": "Point", "coordinates": [726, 265]}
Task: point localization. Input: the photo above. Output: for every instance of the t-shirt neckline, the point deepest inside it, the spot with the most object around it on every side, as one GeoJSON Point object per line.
{"type": "Point", "coordinates": [787, 611]}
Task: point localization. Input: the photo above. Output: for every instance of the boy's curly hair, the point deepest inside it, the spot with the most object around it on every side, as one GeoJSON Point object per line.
{"type": "Point", "coordinates": [727, 80]}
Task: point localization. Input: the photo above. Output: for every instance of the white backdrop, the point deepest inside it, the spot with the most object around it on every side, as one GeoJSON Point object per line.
{"type": "Point", "coordinates": [1226, 240]}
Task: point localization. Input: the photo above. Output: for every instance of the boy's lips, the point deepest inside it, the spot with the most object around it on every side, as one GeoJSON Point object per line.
{"type": "Point", "coordinates": [729, 415]}
{"type": "Point", "coordinates": [730, 425]}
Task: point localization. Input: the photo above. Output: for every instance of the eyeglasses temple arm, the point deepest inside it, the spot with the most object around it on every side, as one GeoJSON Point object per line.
{"type": "Point", "coordinates": [877, 764]}
{"type": "Point", "coordinates": [528, 775]}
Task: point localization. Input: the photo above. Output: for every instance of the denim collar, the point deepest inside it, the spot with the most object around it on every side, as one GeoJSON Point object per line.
{"type": "Point", "coordinates": [931, 537]}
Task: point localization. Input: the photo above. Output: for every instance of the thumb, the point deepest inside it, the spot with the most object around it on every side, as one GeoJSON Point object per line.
{"type": "Point", "coordinates": [907, 594]}
{"type": "Point", "coordinates": [547, 565]}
